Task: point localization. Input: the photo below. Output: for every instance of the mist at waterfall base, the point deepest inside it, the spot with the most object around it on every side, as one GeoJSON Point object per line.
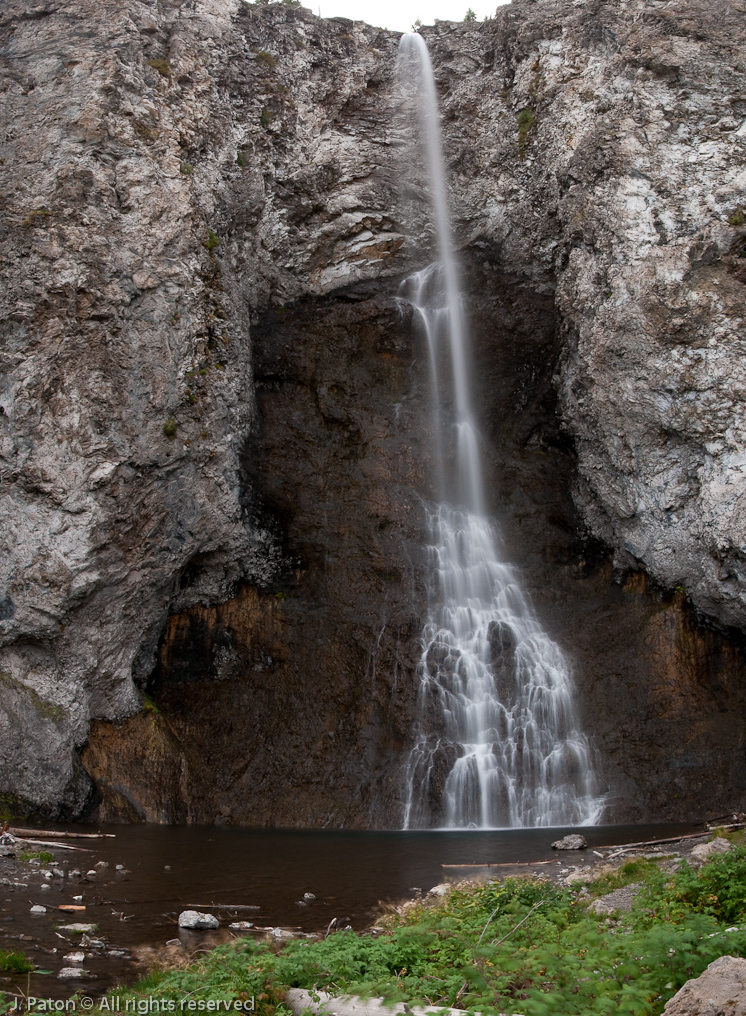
{"type": "Point", "coordinates": [497, 743]}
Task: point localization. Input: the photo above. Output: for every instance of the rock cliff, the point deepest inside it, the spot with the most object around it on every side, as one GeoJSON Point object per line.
{"type": "Point", "coordinates": [213, 454]}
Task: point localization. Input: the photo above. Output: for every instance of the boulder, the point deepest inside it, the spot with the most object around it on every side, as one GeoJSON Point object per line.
{"type": "Point", "coordinates": [720, 990]}
{"type": "Point", "coordinates": [573, 841]}
{"type": "Point", "coordinates": [196, 921]}
{"type": "Point", "coordinates": [706, 851]}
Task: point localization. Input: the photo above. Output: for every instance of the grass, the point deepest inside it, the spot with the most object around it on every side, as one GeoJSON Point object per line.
{"type": "Point", "coordinates": [263, 56]}
{"type": "Point", "coordinates": [170, 427]}
{"type": "Point", "coordinates": [42, 855]}
{"type": "Point", "coordinates": [14, 963]}
{"type": "Point", "coordinates": [212, 241]}
{"type": "Point", "coordinates": [526, 120]}
{"type": "Point", "coordinates": [520, 946]}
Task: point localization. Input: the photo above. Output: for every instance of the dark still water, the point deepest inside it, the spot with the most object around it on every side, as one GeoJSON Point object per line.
{"type": "Point", "coordinates": [167, 869]}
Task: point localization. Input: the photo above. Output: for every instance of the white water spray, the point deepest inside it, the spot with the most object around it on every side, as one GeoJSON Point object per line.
{"type": "Point", "coordinates": [497, 743]}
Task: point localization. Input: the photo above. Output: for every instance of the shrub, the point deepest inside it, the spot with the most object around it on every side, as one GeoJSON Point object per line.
{"type": "Point", "coordinates": [169, 428]}
{"type": "Point", "coordinates": [212, 240]}
{"type": "Point", "coordinates": [266, 58]}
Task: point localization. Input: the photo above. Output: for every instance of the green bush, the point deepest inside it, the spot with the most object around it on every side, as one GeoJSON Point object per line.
{"type": "Point", "coordinates": [212, 240]}
{"type": "Point", "coordinates": [170, 427]}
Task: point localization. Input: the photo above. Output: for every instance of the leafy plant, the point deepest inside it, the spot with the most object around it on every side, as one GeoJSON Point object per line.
{"type": "Point", "coordinates": [737, 218]}
{"type": "Point", "coordinates": [170, 427]}
{"type": "Point", "coordinates": [186, 168]}
{"type": "Point", "coordinates": [470, 16]}
{"type": "Point", "coordinates": [212, 240]}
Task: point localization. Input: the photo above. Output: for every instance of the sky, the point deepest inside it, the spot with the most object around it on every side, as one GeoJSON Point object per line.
{"type": "Point", "coordinates": [399, 15]}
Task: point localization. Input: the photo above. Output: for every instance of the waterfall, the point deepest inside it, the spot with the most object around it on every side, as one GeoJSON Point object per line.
{"type": "Point", "coordinates": [497, 742]}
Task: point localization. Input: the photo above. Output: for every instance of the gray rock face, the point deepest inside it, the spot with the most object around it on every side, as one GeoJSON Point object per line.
{"type": "Point", "coordinates": [719, 991]}
{"type": "Point", "coordinates": [168, 172]}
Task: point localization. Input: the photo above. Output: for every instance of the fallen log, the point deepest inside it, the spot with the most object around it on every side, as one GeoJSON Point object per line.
{"type": "Point", "coordinates": [25, 833]}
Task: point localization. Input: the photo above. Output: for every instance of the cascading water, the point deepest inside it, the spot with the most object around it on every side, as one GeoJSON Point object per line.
{"type": "Point", "coordinates": [497, 743]}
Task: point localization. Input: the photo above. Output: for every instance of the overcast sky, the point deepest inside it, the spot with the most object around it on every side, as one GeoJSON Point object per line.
{"type": "Point", "coordinates": [399, 15]}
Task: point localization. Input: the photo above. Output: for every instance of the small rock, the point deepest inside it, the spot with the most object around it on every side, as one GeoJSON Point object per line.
{"type": "Point", "coordinates": [281, 933]}
{"type": "Point", "coordinates": [46, 874]}
{"type": "Point", "coordinates": [308, 896]}
{"type": "Point", "coordinates": [120, 867]}
{"type": "Point", "coordinates": [77, 898]}
{"type": "Point", "coordinates": [79, 929]}
{"type": "Point", "coordinates": [91, 874]}
{"type": "Point", "coordinates": [167, 867]}
{"type": "Point", "coordinates": [301, 903]}
{"type": "Point", "coordinates": [74, 873]}
{"type": "Point", "coordinates": [439, 890]}
{"type": "Point", "coordinates": [44, 886]}
{"type": "Point", "coordinates": [573, 841]}
{"type": "Point", "coordinates": [576, 876]}
{"type": "Point", "coordinates": [72, 973]}
{"type": "Point", "coordinates": [8, 845]}
{"type": "Point", "coordinates": [174, 941]}
{"type": "Point", "coordinates": [120, 954]}
{"type": "Point", "coordinates": [74, 957]}
{"type": "Point", "coordinates": [704, 851]}
{"type": "Point", "coordinates": [101, 864]}
{"type": "Point", "coordinates": [241, 926]}
{"type": "Point", "coordinates": [37, 909]}
{"type": "Point", "coordinates": [720, 989]}
{"type": "Point", "coordinates": [197, 921]}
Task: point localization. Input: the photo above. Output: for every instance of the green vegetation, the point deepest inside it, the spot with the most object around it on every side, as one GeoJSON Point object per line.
{"type": "Point", "coordinates": [737, 218]}
{"type": "Point", "coordinates": [186, 168]}
{"type": "Point", "coordinates": [162, 66]}
{"type": "Point", "coordinates": [266, 118]}
{"type": "Point", "coordinates": [212, 240]}
{"type": "Point", "coordinates": [526, 120]}
{"type": "Point", "coordinates": [33, 217]}
{"type": "Point", "coordinates": [47, 710]}
{"type": "Point", "coordinates": [149, 706]}
{"type": "Point", "coordinates": [470, 16]}
{"type": "Point", "coordinates": [169, 428]}
{"type": "Point", "coordinates": [520, 946]}
{"type": "Point", "coordinates": [266, 58]}
{"type": "Point", "coordinates": [242, 158]}
{"type": "Point", "coordinates": [14, 963]}
{"type": "Point", "coordinates": [42, 855]}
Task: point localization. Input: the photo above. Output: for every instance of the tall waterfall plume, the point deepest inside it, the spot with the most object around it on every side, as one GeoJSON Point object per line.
{"type": "Point", "coordinates": [497, 742]}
